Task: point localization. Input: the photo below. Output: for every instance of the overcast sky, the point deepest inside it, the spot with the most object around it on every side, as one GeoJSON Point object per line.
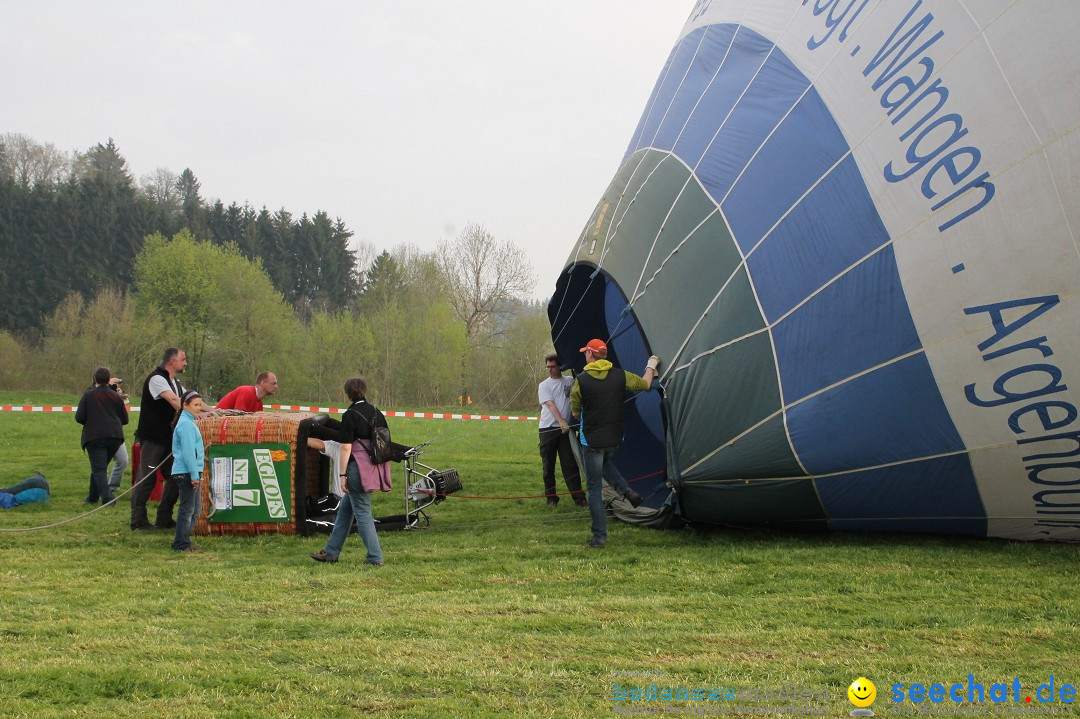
{"type": "Point", "coordinates": [405, 119]}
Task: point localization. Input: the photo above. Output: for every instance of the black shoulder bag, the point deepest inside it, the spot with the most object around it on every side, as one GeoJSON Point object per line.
{"type": "Point", "coordinates": [378, 447]}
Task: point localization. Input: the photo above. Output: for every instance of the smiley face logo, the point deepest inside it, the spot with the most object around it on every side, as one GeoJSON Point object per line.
{"type": "Point", "coordinates": [862, 692]}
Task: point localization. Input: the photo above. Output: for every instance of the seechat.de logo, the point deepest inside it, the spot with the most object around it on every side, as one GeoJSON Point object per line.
{"type": "Point", "coordinates": [975, 692]}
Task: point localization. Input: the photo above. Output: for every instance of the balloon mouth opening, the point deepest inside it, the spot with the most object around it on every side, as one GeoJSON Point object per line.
{"type": "Point", "coordinates": [588, 303]}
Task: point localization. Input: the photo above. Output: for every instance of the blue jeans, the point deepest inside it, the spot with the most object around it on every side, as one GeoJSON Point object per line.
{"type": "Point", "coordinates": [35, 482]}
{"type": "Point", "coordinates": [598, 467]}
{"type": "Point", "coordinates": [190, 502]}
{"type": "Point", "coordinates": [354, 506]}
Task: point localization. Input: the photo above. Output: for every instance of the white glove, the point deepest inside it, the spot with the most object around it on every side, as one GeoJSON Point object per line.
{"type": "Point", "coordinates": [564, 426]}
{"type": "Point", "coordinates": [653, 363]}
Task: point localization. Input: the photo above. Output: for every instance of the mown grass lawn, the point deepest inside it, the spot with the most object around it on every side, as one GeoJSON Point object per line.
{"type": "Point", "coordinates": [497, 609]}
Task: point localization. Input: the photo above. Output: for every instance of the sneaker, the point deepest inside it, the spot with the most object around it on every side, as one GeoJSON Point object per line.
{"type": "Point", "coordinates": [581, 502]}
{"type": "Point", "coordinates": [142, 527]}
{"type": "Point", "coordinates": [168, 524]}
{"type": "Point", "coordinates": [193, 549]}
{"type": "Point", "coordinates": [553, 503]}
{"type": "Point", "coordinates": [633, 498]}
{"type": "Point", "coordinates": [375, 564]}
{"type": "Point", "coordinates": [322, 556]}
{"type": "Point", "coordinates": [594, 543]}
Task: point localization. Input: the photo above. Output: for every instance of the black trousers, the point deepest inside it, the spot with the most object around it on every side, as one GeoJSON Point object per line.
{"type": "Point", "coordinates": [553, 442]}
{"type": "Point", "coordinates": [153, 456]}
{"type": "Point", "coordinates": [101, 452]}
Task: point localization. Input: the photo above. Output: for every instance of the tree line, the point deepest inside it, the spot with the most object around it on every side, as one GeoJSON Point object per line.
{"type": "Point", "coordinates": [76, 221]}
{"type": "Point", "coordinates": [96, 269]}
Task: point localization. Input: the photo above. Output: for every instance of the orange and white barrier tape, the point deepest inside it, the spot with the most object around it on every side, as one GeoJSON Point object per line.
{"type": "Point", "coordinates": [297, 408]}
{"type": "Point", "coordinates": [25, 408]}
{"type": "Point", "coordinates": [418, 415]}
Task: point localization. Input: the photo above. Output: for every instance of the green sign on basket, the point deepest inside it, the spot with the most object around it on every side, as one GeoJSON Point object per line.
{"type": "Point", "coordinates": [250, 482]}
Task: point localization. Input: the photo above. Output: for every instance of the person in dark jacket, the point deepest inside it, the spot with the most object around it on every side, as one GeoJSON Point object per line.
{"type": "Point", "coordinates": [102, 414]}
{"type": "Point", "coordinates": [360, 479]}
{"type": "Point", "coordinates": [598, 398]}
{"type": "Point", "coordinates": [160, 402]}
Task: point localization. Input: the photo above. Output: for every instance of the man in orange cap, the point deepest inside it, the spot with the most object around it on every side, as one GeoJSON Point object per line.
{"type": "Point", "coordinates": [598, 399]}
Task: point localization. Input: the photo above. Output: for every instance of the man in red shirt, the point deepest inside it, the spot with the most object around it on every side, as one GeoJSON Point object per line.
{"type": "Point", "coordinates": [249, 397]}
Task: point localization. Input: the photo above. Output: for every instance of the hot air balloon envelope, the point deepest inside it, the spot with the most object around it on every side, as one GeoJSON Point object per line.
{"type": "Point", "coordinates": [849, 229]}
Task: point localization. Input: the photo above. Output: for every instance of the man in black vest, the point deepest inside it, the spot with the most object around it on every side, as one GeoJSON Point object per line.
{"type": "Point", "coordinates": [160, 402]}
{"type": "Point", "coordinates": [598, 398]}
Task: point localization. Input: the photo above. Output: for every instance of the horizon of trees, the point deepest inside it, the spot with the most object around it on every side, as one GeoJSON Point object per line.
{"type": "Point", "coordinates": [75, 222]}
{"type": "Point", "coordinates": [97, 269]}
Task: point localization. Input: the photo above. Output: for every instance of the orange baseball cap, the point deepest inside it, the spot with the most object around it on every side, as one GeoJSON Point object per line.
{"type": "Point", "coordinates": [597, 347]}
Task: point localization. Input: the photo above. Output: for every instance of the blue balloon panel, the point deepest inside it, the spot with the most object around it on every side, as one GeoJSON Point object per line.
{"type": "Point", "coordinates": [748, 242]}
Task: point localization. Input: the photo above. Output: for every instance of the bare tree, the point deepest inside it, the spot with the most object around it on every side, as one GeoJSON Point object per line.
{"type": "Point", "coordinates": [28, 162]}
{"type": "Point", "coordinates": [483, 278]}
{"type": "Point", "coordinates": [364, 253]}
{"type": "Point", "coordinates": [160, 187]}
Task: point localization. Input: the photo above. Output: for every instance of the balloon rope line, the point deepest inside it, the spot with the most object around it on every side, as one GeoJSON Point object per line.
{"type": "Point", "coordinates": [521, 496]}
{"type": "Point", "coordinates": [84, 515]}
{"type": "Point", "coordinates": [856, 470]}
{"type": "Point", "coordinates": [782, 411]}
{"type": "Point", "coordinates": [693, 172]}
{"type": "Point", "coordinates": [640, 135]}
{"type": "Point", "coordinates": [811, 85]}
{"type": "Point", "coordinates": [613, 231]}
{"type": "Point", "coordinates": [836, 164]}
{"type": "Point", "coordinates": [607, 238]}
{"type": "Point", "coordinates": [566, 323]}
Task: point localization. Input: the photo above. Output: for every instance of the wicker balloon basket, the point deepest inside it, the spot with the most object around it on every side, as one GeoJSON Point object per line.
{"type": "Point", "coordinates": [224, 433]}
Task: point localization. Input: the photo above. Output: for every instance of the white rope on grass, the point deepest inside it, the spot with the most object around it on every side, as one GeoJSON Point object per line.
{"type": "Point", "coordinates": [84, 515]}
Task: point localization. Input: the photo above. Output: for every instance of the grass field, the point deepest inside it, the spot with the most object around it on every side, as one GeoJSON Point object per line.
{"type": "Point", "coordinates": [497, 609]}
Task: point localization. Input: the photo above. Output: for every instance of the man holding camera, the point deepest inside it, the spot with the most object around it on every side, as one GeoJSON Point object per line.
{"type": "Point", "coordinates": [120, 459]}
{"type": "Point", "coordinates": [102, 414]}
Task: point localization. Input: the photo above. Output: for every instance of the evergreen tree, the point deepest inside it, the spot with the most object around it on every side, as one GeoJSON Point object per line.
{"type": "Point", "coordinates": [214, 217]}
{"type": "Point", "coordinates": [77, 227]}
{"type": "Point", "coordinates": [191, 203]}
{"type": "Point", "coordinates": [383, 285]}
{"type": "Point", "coordinates": [187, 187]}
{"type": "Point", "coordinates": [279, 260]}
{"type": "Point", "coordinates": [265, 238]}
{"type": "Point", "coordinates": [104, 163]}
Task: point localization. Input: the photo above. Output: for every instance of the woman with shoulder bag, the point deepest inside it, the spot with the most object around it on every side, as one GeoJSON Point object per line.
{"type": "Point", "coordinates": [361, 476]}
